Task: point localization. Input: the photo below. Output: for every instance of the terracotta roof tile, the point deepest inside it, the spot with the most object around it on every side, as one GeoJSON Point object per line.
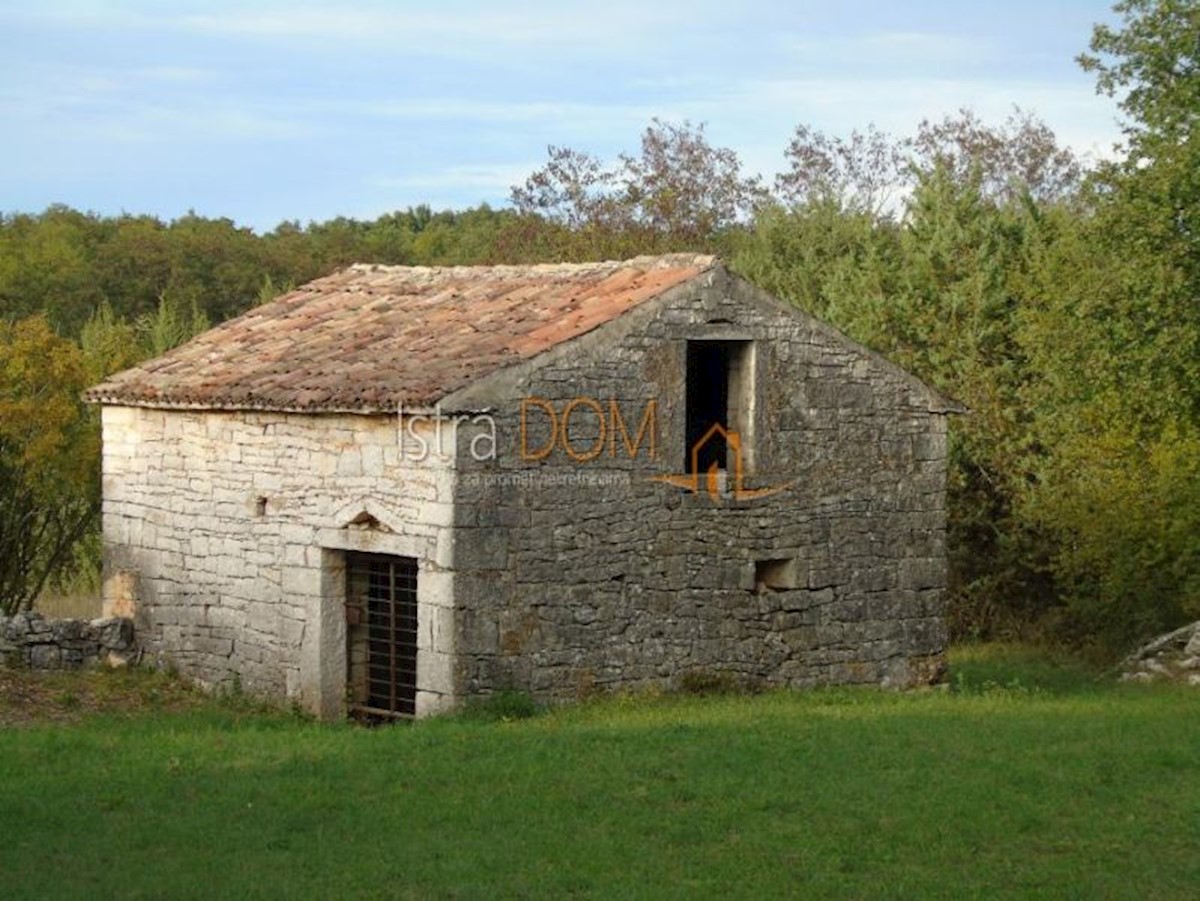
{"type": "Point", "coordinates": [369, 338]}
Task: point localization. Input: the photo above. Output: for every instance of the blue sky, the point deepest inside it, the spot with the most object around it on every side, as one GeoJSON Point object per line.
{"type": "Point", "coordinates": [265, 111]}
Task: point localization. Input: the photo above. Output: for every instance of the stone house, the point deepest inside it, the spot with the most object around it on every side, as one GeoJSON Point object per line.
{"type": "Point", "coordinates": [393, 488]}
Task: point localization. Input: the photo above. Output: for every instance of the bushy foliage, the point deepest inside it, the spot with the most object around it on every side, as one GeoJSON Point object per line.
{"type": "Point", "coordinates": [1127, 510]}
{"type": "Point", "coordinates": [679, 193]}
{"type": "Point", "coordinates": [874, 172]}
{"type": "Point", "coordinates": [66, 264]}
{"type": "Point", "coordinates": [49, 451]}
{"type": "Point", "coordinates": [1061, 311]}
{"type": "Point", "coordinates": [1118, 336]}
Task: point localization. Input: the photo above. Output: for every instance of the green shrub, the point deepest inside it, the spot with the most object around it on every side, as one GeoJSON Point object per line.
{"type": "Point", "coordinates": [1129, 558]}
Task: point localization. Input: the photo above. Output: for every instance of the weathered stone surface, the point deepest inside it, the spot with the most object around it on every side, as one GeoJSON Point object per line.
{"type": "Point", "coordinates": [1155, 666]}
{"type": "Point", "coordinates": [31, 640]}
{"type": "Point", "coordinates": [1173, 657]}
{"type": "Point", "coordinates": [1192, 649]}
{"type": "Point", "coordinates": [232, 528]}
{"type": "Point", "coordinates": [634, 582]}
{"type": "Point", "coordinates": [574, 571]}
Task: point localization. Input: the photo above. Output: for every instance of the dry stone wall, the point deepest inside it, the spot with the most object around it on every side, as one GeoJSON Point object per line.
{"type": "Point", "coordinates": [1174, 657]}
{"type": "Point", "coordinates": [29, 639]}
{"type": "Point", "coordinates": [572, 576]}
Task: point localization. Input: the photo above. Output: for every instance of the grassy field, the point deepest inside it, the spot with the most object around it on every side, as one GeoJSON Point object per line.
{"type": "Point", "coordinates": [1028, 778]}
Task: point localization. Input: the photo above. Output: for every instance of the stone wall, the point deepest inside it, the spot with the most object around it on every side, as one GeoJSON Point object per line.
{"type": "Point", "coordinates": [226, 534]}
{"type": "Point", "coordinates": [29, 639]}
{"type": "Point", "coordinates": [1174, 657]}
{"type": "Point", "coordinates": [578, 575]}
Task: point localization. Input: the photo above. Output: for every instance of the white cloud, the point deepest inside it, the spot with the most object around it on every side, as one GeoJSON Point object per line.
{"type": "Point", "coordinates": [500, 112]}
{"type": "Point", "coordinates": [79, 117]}
{"type": "Point", "coordinates": [174, 74]}
{"type": "Point", "coordinates": [140, 104]}
{"type": "Point", "coordinates": [619, 25]}
{"type": "Point", "coordinates": [493, 179]}
{"type": "Point", "coordinates": [507, 23]}
{"type": "Point", "coordinates": [892, 48]}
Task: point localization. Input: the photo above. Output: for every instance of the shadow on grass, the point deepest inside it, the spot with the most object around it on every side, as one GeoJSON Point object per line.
{"type": "Point", "coordinates": [501, 707]}
{"type": "Point", "coordinates": [980, 668]}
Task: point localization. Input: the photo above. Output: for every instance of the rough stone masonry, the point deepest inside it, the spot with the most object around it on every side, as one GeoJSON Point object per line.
{"type": "Point", "coordinates": [577, 557]}
{"type": "Point", "coordinates": [583, 575]}
{"type": "Point", "coordinates": [1174, 657]}
{"type": "Point", "coordinates": [31, 640]}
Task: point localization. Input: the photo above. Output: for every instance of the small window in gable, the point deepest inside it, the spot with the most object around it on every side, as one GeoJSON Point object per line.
{"type": "Point", "coordinates": [720, 406]}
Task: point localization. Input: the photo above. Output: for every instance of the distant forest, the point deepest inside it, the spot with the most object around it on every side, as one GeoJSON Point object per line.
{"type": "Point", "coordinates": [1058, 298]}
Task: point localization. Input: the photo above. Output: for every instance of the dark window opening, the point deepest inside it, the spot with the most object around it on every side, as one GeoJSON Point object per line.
{"type": "Point", "coordinates": [720, 392]}
{"type": "Point", "coordinates": [707, 403]}
{"type": "Point", "coordinates": [381, 635]}
{"type": "Point", "coordinates": [774, 575]}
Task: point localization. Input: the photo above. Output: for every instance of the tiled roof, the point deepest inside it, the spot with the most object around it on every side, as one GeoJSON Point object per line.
{"type": "Point", "coordinates": [369, 338]}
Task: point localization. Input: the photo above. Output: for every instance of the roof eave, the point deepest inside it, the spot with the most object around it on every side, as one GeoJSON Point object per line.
{"type": "Point", "coordinates": [231, 406]}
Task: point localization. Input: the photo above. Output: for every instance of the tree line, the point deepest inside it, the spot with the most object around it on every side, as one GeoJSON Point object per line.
{"type": "Point", "coordinates": [1058, 299]}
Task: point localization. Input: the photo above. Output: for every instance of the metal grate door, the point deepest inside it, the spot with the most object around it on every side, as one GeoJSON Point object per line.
{"type": "Point", "coordinates": [381, 634]}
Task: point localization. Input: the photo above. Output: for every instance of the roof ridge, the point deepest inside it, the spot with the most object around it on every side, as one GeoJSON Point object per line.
{"type": "Point", "coordinates": [642, 261]}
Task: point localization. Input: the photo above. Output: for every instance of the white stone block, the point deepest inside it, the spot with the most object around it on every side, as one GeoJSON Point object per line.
{"type": "Point", "coordinates": [431, 703]}
{"type": "Point", "coordinates": [263, 618]}
{"type": "Point", "coordinates": [372, 461]}
{"type": "Point", "coordinates": [267, 482]}
{"type": "Point", "coordinates": [301, 582]}
{"type": "Point", "coordinates": [435, 672]}
{"type": "Point", "coordinates": [442, 629]}
{"type": "Point", "coordinates": [350, 463]}
{"type": "Point", "coordinates": [436, 587]}
{"type": "Point", "coordinates": [230, 566]}
{"type": "Point", "coordinates": [444, 552]}
{"type": "Point", "coordinates": [434, 513]}
{"type": "Point", "coordinates": [301, 535]}
{"type": "Point", "coordinates": [226, 617]}
{"type": "Point", "coordinates": [291, 633]}
{"type": "Point", "coordinates": [295, 555]}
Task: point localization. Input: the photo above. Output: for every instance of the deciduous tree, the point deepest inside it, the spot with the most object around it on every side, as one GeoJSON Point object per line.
{"type": "Point", "coordinates": [49, 452]}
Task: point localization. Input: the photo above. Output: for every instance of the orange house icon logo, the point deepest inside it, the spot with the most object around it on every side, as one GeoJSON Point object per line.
{"type": "Point", "coordinates": [710, 480]}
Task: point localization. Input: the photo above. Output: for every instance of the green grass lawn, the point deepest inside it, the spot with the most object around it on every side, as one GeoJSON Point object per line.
{"type": "Point", "coordinates": [1028, 778]}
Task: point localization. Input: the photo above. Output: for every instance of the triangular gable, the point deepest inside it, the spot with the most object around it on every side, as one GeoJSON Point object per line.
{"type": "Point", "coordinates": [492, 391]}
{"type": "Point", "coordinates": [937, 401]}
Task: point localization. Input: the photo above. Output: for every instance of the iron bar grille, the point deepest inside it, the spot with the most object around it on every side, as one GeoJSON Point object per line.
{"type": "Point", "coordinates": [381, 634]}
